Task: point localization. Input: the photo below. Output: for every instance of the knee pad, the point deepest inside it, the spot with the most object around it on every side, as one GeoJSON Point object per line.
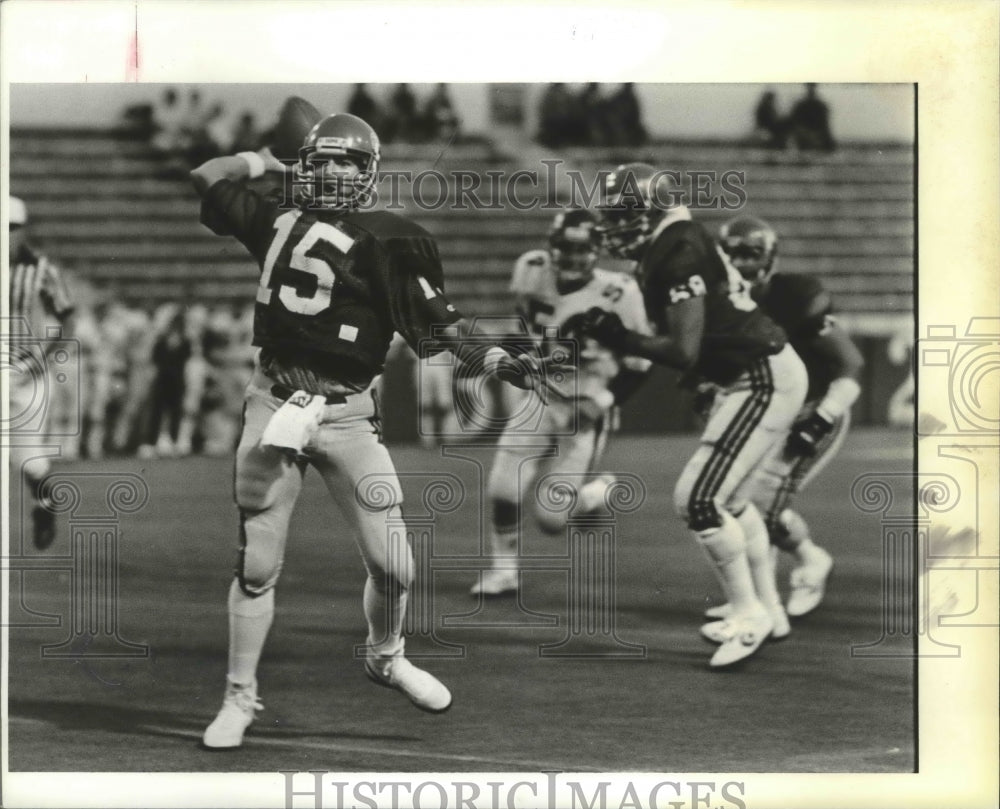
{"type": "Point", "coordinates": [700, 513]}
{"type": "Point", "coordinates": [35, 469]}
{"type": "Point", "coordinates": [260, 556]}
{"type": "Point", "coordinates": [703, 515]}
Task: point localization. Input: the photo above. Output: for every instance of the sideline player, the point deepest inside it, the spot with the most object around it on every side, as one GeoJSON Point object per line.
{"type": "Point", "coordinates": [335, 283]}
{"type": "Point", "coordinates": [709, 327]}
{"type": "Point", "coordinates": [39, 302]}
{"type": "Point", "coordinates": [554, 287]}
{"type": "Point", "coordinates": [803, 308]}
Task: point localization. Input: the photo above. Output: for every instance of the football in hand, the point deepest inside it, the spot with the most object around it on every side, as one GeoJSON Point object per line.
{"type": "Point", "coordinates": [296, 118]}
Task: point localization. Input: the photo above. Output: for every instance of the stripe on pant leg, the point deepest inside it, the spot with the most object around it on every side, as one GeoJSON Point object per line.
{"type": "Point", "coordinates": [733, 439]}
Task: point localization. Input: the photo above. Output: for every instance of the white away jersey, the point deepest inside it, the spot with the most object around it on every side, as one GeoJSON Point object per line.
{"type": "Point", "coordinates": [539, 301]}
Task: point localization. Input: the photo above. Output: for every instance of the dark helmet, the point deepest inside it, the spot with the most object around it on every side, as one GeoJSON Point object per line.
{"type": "Point", "coordinates": [751, 245]}
{"type": "Point", "coordinates": [635, 198]}
{"type": "Point", "coordinates": [335, 137]}
{"type": "Point", "coordinates": [574, 244]}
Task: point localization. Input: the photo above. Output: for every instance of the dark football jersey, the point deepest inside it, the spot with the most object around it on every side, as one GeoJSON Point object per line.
{"type": "Point", "coordinates": [334, 285]}
{"type": "Point", "coordinates": [682, 263]}
{"type": "Point", "coordinates": [802, 307]}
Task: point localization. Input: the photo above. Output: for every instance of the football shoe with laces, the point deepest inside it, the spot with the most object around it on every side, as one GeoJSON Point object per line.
{"type": "Point", "coordinates": [239, 707]}
{"type": "Point", "coordinates": [809, 584]}
{"type": "Point", "coordinates": [495, 583]}
{"type": "Point", "coordinates": [744, 637]}
{"type": "Point", "coordinates": [421, 687]}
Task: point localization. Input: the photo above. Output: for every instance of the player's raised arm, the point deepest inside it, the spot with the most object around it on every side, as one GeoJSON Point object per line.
{"type": "Point", "coordinates": [245, 165]}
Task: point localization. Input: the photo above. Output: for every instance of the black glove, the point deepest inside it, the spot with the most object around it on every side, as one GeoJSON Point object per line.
{"type": "Point", "coordinates": [806, 434]}
{"type": "Point", "coordinates": [604, 326]}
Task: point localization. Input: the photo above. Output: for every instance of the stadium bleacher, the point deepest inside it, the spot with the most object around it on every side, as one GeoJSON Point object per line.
{"type": "Point", "coordinates": [98, 207]}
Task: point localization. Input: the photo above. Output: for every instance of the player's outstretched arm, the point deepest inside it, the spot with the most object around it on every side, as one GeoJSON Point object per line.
{"type": "Point", "coordinates": [234, 167]}
{"type": "Point", "coordinates": [846, 363]}
{"type": "Point", "coordinates": [543, 374]}
{"type": "Point", "coordinates": [678, 347]}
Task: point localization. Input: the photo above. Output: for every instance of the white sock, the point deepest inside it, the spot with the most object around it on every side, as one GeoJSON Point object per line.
{"type": "Point", "coordinates": [759, 556]}
{"type": "Point", "coordinates": [249, 622]}
{"type": "Point", "coordinates": [504, 547]}
{"type": "Point", "coordinates": [591, 495]}
{"type": "Point", "coordinates": [385, 607]}
{"type": "Point", "coordinates": [726, 549]}
{"type": "Point", "coordinates": [804, 549]}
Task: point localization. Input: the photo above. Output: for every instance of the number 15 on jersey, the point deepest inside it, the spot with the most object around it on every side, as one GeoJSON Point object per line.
{"type": "Point", "coordinates": [317, 234]}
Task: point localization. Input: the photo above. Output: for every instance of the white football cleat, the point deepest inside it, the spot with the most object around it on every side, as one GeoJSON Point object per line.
{"type": "Point", "coordinates": [421, 687]}
{"type": "Point", "coordinates": [779, 618]}
{"type": "Point", "coordinates": [721, 630]}
{"type": "Point", "coordinates": [719, 611]}
{"type": "Point", "coordinates": [494, 583]}
{"type": "Point", "coordinates": [238, 711]}
{"type": "Point", "coordinates": [718, 631]}
{"type": "Point", "coordinates": [592, 495]}
{"type": "Point", "coordinates": [743, 637]}
{"type": "Point", "coordinates": [809, 585]}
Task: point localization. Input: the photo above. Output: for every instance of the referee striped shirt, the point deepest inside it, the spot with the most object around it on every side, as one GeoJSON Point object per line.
{"type": "Point", "coordinates": [37, 292]}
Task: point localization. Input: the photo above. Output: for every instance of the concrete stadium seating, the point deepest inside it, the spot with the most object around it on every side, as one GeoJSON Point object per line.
{"type": "Point", "coordinates": [98, 207]}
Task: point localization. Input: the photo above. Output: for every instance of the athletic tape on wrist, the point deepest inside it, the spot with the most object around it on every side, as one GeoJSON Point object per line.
{"type": "Point", "coordinates": [841, 394]}
{"type": "Point", "coordinates": [254, 162]}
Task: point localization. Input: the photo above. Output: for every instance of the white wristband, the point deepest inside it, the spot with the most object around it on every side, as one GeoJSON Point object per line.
{"type": "Point", "coordinates": [255, 163]}
{"type": "Point", "coordinates": [493, 358]}
{"type": "Point", "coordinates": [841, 394]}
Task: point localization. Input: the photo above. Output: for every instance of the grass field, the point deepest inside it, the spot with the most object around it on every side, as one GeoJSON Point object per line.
{"type": "Point", "coordinates": [803, 705]}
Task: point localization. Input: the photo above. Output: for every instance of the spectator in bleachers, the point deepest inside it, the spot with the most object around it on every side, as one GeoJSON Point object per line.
{"type": "Point", "coordinates": [246, 137]}
{"type": "Point", "coordinates": [593, 129]}
{"type": "Point", "coordinates": [809, 123]}
{"type": "Point", "coordinates": [138, 121]}
{"type": "Point", "coordinates": [362, 104]}
{"type": "Point", "coordinates": [624, 118]}
{"type": "Point", "coordinates": [402, 122]}
{"type": "Point", "coordinates": [440, 120]}
{"type": "Point", "coordinates": [168, 122]}
{"type": "Point", "coordinates": [194, 116]}
{"type": "Point", "coordinates": [769, 126]}
{"type": "Point", "coordinates": [558, 121]}
{"type": "Point", "coordinates": [210, 137]}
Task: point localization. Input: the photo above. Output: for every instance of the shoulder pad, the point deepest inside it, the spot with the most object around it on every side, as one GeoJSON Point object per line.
{"type": "Point", "coordinates": [531, 272]}
{"type": "Point", "coordinates": [680, 235]}
{"type": "Point", "coordinates": [803, 293]}
{"type": "Point", "coordinates": [614, 277]}
{"type": "Point", "coordinates": [535, 258]}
